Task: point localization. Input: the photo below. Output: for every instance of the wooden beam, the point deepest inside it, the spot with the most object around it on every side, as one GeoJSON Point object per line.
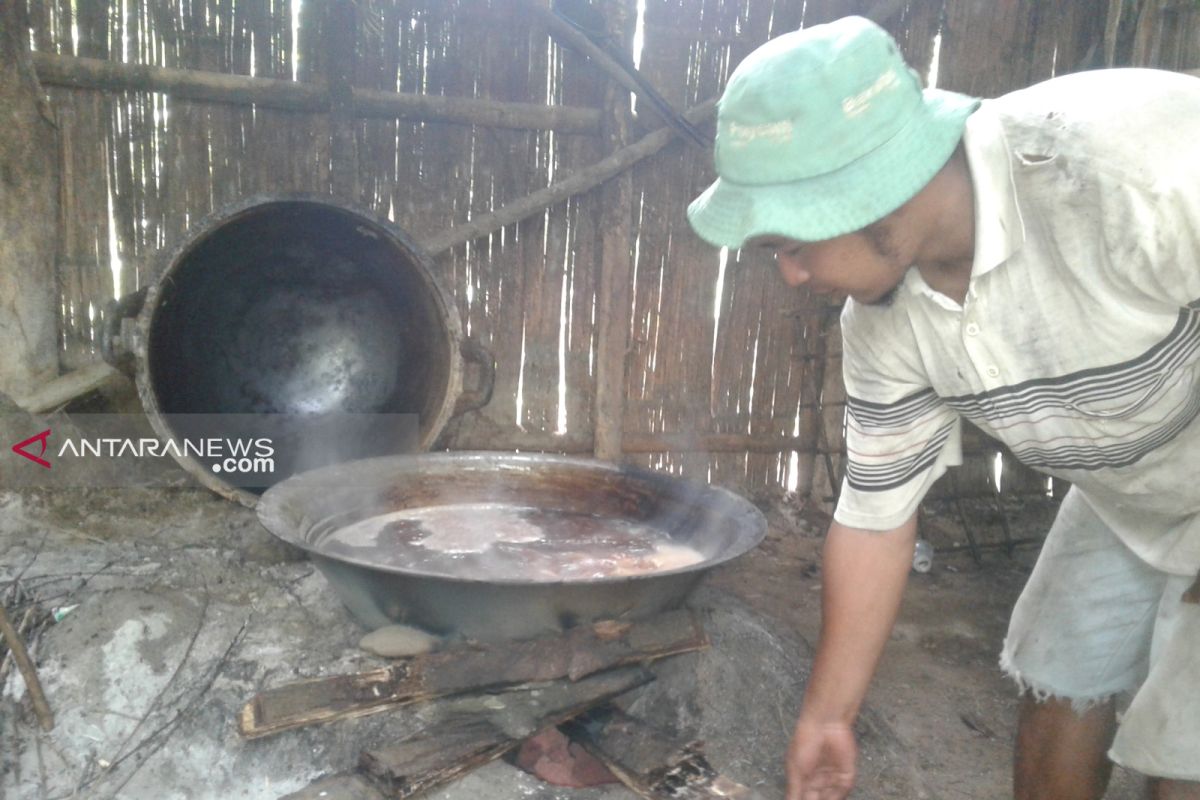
{"type": "Point", "coordinates": [576, 183]}
{"type": "Point", "coordinates": [29, 211]}
{"type": "Point", "coordinates": [625, 75]}
{"type": "Point", "coordinates": [65, 388]}
{"type": "Point", "coordinates": [376, 103]}
{"type": "Point", "coordinates": [219, 87]}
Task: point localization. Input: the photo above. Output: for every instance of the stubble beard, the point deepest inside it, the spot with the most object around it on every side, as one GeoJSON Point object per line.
{"type": "Point", "coordinates": [879, 237]}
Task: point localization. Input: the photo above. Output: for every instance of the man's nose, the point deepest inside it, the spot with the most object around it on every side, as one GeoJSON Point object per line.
{"type": "Point", "coordinates": [791, 269]}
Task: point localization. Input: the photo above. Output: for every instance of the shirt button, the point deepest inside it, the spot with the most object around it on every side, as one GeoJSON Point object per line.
{"type": "Point", "coordinates": [972, 329]}
{"type": "Point", "coordinates": [993, 372]}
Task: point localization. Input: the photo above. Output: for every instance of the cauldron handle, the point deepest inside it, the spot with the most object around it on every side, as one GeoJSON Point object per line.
{"type": "Point", "coordinates": [475, 353]}
{"type": "Point", "coordinates": [113, 348]}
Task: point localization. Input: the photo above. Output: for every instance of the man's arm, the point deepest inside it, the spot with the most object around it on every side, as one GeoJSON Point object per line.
{"type": "Point", "coordinates": [864, 573]}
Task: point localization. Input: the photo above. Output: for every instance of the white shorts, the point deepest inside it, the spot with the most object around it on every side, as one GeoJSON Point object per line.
{"type": "Point", "coordinates": [1095, 621]}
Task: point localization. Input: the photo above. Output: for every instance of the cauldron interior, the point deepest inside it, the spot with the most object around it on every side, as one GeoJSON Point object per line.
{"type": "Point", "coordinates": [305, 324]}
{"type": "Point", "coordinates": [296, 308]}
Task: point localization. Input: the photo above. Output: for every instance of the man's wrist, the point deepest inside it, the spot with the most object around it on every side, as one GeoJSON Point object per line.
{"type": "Point", "coordinates": [817, 713]}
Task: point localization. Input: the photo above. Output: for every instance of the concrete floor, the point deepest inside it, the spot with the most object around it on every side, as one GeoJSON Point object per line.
{"type": "Point", "coordinates": [181, 607]}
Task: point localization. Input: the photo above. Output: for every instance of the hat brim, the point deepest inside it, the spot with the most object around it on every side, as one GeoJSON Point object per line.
{"type": "Point", "coordinates": [728, 214]}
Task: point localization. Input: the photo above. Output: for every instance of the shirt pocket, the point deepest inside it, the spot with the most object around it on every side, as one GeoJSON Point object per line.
{"type": "Point", "coordinates": [1121, 407]}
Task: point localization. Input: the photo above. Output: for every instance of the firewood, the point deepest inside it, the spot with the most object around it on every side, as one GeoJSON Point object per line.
{"type": "Point", "coordinates": [578, 652]}
{"type": "Point", "coordinates": [460, 744]}
{"type": "Point", "coordinates": [653, 763]}
{"type": "Point", "coordinates": [467, 739]}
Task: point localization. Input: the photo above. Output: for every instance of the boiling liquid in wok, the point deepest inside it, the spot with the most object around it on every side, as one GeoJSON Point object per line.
{"type": "Point", "coordinates": [499, 542]}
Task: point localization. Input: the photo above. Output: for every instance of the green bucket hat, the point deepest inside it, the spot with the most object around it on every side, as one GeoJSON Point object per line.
{"type": "Point", "coordinates": [821, 132]}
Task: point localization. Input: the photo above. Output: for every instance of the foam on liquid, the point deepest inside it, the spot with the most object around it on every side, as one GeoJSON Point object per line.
{"type": "Point", "coordinates": [487, 541]}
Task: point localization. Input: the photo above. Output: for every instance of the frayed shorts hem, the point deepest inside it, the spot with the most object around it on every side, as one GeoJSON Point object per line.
{"type": "Point", "coordinates": [1041, 692]}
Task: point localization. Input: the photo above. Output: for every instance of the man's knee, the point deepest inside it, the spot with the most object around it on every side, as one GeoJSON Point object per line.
{"type": "Point", "coordinates": [1061, 749]}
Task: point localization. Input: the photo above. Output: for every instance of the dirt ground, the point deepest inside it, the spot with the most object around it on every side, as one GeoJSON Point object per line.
{"type": "Point", "coordinates": [939, 689]}
{"type": "Point", "coordinates": [938, 723]}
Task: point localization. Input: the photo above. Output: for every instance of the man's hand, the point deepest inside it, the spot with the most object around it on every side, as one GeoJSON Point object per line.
{"type": "Point", "coordinates": [820, 761]}
{"type": "Point", "coordinates": [864, 575]}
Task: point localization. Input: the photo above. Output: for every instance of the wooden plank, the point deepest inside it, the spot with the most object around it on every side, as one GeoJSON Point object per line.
{"type": "Point", "coordinates": [445, 752]}
{"type": "Point", "coordinates": [460, 744]}
{"type": "Point", "coordinates": [579, 652]}
{"type": "Point", "coordinates": [652, 762]}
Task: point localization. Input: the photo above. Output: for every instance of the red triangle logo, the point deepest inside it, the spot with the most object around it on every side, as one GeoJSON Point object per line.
{"type": "Point", "coordinates": [19, 448]}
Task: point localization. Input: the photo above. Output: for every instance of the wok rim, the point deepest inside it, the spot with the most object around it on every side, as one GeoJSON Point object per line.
{"type": "Point", "coordinates": [752, 522]}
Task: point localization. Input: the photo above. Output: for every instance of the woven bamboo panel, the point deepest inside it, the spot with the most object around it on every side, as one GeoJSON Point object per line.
{"type": "Point", "coordinates": [718, 346]}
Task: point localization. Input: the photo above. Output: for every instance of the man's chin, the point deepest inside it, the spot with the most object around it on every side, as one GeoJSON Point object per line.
{"type": "Point", "coordinates": [882, 301]}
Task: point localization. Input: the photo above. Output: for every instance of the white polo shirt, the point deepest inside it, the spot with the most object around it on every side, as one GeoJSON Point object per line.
{"type": "Point", "coordinates": [1078, 344]}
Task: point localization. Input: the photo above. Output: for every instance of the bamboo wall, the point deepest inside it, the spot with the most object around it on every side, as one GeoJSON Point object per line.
{"type": "Point", "coordinates": [716, 349]}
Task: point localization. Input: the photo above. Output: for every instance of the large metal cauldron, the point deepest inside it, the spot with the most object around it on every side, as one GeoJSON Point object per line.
{"type": "Point", "coordinates": [297, 309]}
{"type": "Point", "coordinates": [308, 511]}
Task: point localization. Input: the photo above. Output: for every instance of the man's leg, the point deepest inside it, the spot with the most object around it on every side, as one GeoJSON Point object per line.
{"type": "Point", "coordinates": [1160, 731]}
{"type": "Point", "coordinates": [1060, 755]}
{"type": "Point", "coordinates": [1174, 790]}
{"type": "Point", "coordinates": [1081, 630]}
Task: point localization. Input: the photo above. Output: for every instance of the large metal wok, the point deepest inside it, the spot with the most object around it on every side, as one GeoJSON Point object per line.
{"type": "Point", "coordinates": [310, 509]}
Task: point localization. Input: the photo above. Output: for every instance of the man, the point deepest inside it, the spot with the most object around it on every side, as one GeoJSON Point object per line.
{"type": "Point", "coordinates": [1032, 264]}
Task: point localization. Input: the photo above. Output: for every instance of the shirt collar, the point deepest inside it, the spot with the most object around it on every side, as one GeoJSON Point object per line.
{"type": "Point", "coordinates": [999, 228]}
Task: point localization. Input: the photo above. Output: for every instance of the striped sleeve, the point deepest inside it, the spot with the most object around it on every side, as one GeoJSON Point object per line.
{"type": "Point", "coordinates": [900, 436]}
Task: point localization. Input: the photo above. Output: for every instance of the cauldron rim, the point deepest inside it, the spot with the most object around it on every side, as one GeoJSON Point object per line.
{"type": "Point", "coordinates": [273, 511]}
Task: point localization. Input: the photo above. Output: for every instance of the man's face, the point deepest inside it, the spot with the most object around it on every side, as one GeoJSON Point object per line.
{"type": "Point", "coordinates": [867, 265]}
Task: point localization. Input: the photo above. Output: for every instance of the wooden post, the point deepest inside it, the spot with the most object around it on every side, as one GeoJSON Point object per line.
{"type": "Point", "coordinates": [616, 269]}
{"type": "Point", "coordinates": [28, 216]}
{"type": "Point", "coordinates": [340, 43]}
